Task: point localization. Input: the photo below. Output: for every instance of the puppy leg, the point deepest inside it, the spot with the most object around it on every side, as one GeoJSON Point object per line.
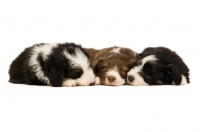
{"type": "Point", "coordinates": [183, 81]}
{"type": "Point", "coordinates": [97, 80]}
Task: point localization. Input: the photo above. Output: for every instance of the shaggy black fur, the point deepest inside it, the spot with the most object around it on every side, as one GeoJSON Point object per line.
{"type": "Point", "coordinates": [56, 67]}
{"type": "Point", "coordinates": [168, 68]}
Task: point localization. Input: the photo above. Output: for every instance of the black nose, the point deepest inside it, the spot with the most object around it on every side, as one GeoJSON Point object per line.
{"type": "Point", "coordinates": [92, 84]}
{"type": "Point", "coordinates": [130, 78]}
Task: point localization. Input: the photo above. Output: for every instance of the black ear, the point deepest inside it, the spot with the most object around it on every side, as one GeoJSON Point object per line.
{"type": "Point", "coordinates": [171, 71]}
{"type": "Point", "coordinates": [140, 55]}
{"type": "Point", "coordinates": [55, 75]}
{"type": "Point", "coordinates": [148, 67]}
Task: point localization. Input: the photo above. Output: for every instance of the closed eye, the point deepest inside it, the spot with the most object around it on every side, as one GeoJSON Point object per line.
{"type": "Point", "coordinates": [125, 69]}
{"type": "Point", "coordinates": [103, 67]}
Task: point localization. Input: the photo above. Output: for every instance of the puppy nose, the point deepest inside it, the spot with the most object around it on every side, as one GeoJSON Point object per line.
{"type": "Point", "coordinates": [92, 84]}
{"type": "Point", "coordinates": [111, 78]}
{"type": "Point", "coordinates": [130, 78]}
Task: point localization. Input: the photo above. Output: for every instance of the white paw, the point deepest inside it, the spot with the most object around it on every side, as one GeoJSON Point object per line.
{"type": "Point", "coordinates": [69, 83]}
{"type": "Point", "coordinates": [97, 80]}
{"type": "Point", "coordinates": [183, 81]}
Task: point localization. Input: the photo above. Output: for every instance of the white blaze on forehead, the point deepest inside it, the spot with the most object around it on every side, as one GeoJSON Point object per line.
{"type": "Point", "coordinates": [44, 50]}
{"type": "Point", "coordinates": [150, 58]}
{"type": "Point", "coordinates": [138, 80]}
{"type": "Point", "coordinates": [79, 59]}
{"type": "Point", "coordinates": [115, 50]}
{"type": "Point", "coordinates": [115, 73]}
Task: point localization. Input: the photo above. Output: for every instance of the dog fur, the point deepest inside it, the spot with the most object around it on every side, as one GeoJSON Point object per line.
{"type": "Point", "coordinates": [111, 64]}
{"type": "Point", "coordinates": [57, 65]}
{"type": "Point", "coordinates": [159, 66]}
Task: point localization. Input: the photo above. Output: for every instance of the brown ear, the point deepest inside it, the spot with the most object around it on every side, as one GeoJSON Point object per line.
{"type": "Point", "coordinates": [129, 52]}
{"type": "Point", "coordinates": [138, 59]}
{"type": "Point", "coordinates": [134, 59]}
{"type": "Point", "coordinates": [133, 62]}
{"type": "Point", "coordinates": [96, 65]}
{"type": "Point", "coordinates": [92, 52]}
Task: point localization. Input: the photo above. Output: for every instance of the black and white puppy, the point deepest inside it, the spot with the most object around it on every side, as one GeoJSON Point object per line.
{"type": "Point", "coordinates": [159, 66]}
{"type": "Point", "coordinates": [57, 65]}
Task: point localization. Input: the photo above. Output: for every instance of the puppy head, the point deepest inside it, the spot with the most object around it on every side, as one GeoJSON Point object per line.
{"type": "Point", "coordinates": [73, 64]}
{"type": "Point", "coordinates": [151, 72]}
{"type": "Point", "coordinates": [112, 69]}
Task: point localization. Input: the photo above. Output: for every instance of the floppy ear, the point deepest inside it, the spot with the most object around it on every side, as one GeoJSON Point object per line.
{"type": "Point", "coordinates": [148, 66]}
{"type": "Point", "coordinates": [96, 65]}
{"type": "Point", "coordinates": [138, 62]}
{"type": "Point", "coordinates": [55, 75]}
{"type": "Point", "coordinates": [132, 62]}
{"type": "Point", "coordinates": [171, 71]}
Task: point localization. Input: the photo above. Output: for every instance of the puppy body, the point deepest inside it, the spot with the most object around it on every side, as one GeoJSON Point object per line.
{"type": "Point", "coordinates": [111, 64]}
{"type": "Point", "coordinates": [52, 64]}
{"type": "Point", "coordinates": [159, 66]}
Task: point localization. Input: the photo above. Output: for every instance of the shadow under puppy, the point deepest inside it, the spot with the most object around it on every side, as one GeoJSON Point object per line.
{"type": "Point", "coordinates": [57, 65]}
{"type": "Point", "coordinates": [111, 64]}
{"type": "Point", "coordinates": [159, 66]}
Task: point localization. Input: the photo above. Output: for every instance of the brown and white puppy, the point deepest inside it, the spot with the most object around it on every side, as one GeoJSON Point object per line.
{"type": "Point", "coordinates": [111, 64]}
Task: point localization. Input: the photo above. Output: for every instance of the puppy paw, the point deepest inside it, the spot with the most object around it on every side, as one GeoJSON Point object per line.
{"type": "Point", "coordinates": [69, 83]}
{"type": "Point", "coordinates": [183, 81]}
{"type": "Point", "coordinates": [97, 80]}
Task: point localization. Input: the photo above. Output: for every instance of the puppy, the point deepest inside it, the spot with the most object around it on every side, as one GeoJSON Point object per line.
{"type": "Point", "coordinates": [111, 64]}
{"type": "Point", "coordinates": [57, 65]}
{"type": "Point", "coordinates": [159, 66]}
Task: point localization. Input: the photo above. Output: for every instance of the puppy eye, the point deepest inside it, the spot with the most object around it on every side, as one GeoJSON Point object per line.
{"type": "Point", "coordinates": [125, 70]}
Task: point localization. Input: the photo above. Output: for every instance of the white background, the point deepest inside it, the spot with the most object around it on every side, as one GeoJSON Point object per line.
{"type": "Point", "coordinates": [135, 24]}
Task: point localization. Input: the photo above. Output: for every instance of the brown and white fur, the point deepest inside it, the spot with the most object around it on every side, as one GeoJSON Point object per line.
{"type": "Point", "coordinates": [111, 64]}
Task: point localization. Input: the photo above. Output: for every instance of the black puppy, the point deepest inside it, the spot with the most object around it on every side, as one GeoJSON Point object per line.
{"type": "Point", "coordinates": [159, 66]}
{"type": "Point", "coordinates": [56, 65]}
